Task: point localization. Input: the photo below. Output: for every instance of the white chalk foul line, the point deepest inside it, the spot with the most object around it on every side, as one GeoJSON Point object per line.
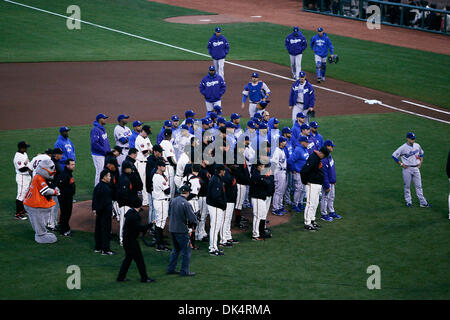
{"type": "Point", "coordinates": [206, 55]}
{"type": "Point", "coordinates": [426, 107]}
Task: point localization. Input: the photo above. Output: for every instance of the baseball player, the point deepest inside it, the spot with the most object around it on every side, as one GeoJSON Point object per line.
{"type": "Point", "coordinates": [144, 148]}
{"type": "Point", "coordinates": [99, 144]}
{"type": "Point", "coordinates": [410, 157]}
{"type": "Point", "coordinates": [33, 164]}
{"type": "Point", "coordinates": [226, 240]}
{"type": "Point", "coordinates": [193, 180]}
{"type": "Point", "coordinates": [257, 194]}
{"type": "Point", "coordinates": [182, 161]}
{"type": "Point", "coordinates": [236, 119]}
{"type": "Point", "coordinates": [316, 136]}
{"type": "Point", "coordinates": [122, 135]}
{"type": "Point", "coordinates": [279, 166]}
{"type": "Point", "coordinates": [256, 91]}
{"type": "Point", "coordinates": [212, 87]}
{"type": "Point", "coordinates": [63, 142]}
{"type": "Point", "coordinates": [242, 175]}
{"type": "Point", "coordinates": [189, 114]}
{"type": "Point", "coordinates": [305, 132]}
{"type": "Point", "coordinates": [295, 44]}
{"type": "Point", "coordinates": [176, 128]}
{"type": "Point", "coordinates": [167, 125]}
{"type": "Point", "coordinates": [137, 126]}
{"type": "Point", "coordinates": [23, 178]}
{"type": "Point", "coordinates": [169, 157]}
{"type": "Point", "coordinates": [302, 97]}
{"type": "Point", "coordinates": [218, 48]}
{"type": "Point", "coordinates": [320, 44]}
{"type": "Point", "coordinates": [296, 130]}
{"type": "Point", "coordinates": [329, 185]}
{"type": "Point", "coordinates": [288, 150]}
{"type": "Point", "coordinates": [297, 161]}
{"type": "Point", "coordinates": [182, 141]}
{"type": "Point", "coordinates": [161, 197]}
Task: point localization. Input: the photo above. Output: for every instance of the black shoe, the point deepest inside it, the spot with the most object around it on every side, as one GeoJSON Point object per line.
{"type": "Point", "coordinates": [233, 241]}
{"type": "Point", "coordinates": [67, 234]}
{"type": "Point", "coordinates": [20, 216]}
{"type": "Point", "coordinates": [216, 253]}
{"type": "Point", "coordinates": [314, 224]}
{"type": "Point", "coordinates": [108, 253]}
{"type": "Point", "coordinates": [258, 238]}
{"type": "Point", "coordinates": [163, 248]}
{"type": "Point", "coordinates": [148, 280]}
{"type": "Point", "coordinates": [227, 244]}
{"type": "Point", "coordinates": [123, 280]}
{"type": "Point", "coordinates": [172, 272]}
{"type": "Point", "coordinates": [190, 274]}
{"type": "Point", "coordinates": [310, 227]}
{"type": "Point", "coordinates": [266, 235]}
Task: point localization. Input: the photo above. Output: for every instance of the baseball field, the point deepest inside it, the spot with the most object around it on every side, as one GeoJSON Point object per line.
{"type": "Point", "coordinates": [126, 58]}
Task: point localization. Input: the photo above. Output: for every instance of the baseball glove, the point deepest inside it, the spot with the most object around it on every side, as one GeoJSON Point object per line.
{"type": "Point", "coordinates": [311, 114]}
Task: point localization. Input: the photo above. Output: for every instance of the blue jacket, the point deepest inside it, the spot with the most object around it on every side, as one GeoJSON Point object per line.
{"type": "Point", "coordinates": [255, 92]}
{"type": "Point", "coordinates": [311, 144]}
{"type": "Point", "coordinates": [212, 88]}
{"type": "Point", "coordinates": [295, 44]}
{"type": "Point", "coordinates": [309, 98]}
{"type": "Point", "coordinates": [298, 158]}
{"type": "Point", "coordinates": [132, 139]}
{"type": "Point", "coordinates": [295, 133]}
{"type": "Point", "coordinates": [160, 136]}
{"type": "Point", "coordinates": [318, 140]}
{"type": "Point", "coordinates": [289, 151]}
{"type": "Point", "coordinates": [321, 45]}
{"type": "Point", "coordinates": [67, 147]}
{"type": "Point", "coordinates": [218, 47]}
{"type": "Point", "coordinates": [99, 140]}
{"type": "Point", "coordinates": [329, 171]}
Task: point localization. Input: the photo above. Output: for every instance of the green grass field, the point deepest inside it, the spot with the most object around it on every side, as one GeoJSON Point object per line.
{"type": "Point", "coordinates": [28, 36]}
{"type": "Point", "coordinates": [410, 245]}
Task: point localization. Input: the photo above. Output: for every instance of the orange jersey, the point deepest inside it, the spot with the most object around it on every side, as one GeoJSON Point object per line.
{"type": "Point", "coordinates": [34, 197]}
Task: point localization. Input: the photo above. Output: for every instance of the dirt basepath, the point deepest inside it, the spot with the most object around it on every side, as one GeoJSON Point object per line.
{"type": "Point", "coordinates": [289, 13]}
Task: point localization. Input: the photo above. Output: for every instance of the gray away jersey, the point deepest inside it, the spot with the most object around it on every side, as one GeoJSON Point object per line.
{"type": "Point", "coordinates": [410, 155]}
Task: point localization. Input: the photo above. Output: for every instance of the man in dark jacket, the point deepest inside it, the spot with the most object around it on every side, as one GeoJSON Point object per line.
{"type": "Point", "coordinates": [130, 184]}
{"type": "Point", "coordinates": [112, 166]}
{"type": "Point", "coordinates": [312, 178]}
{"type": "Point", "coordinates": [229, 180]}
{"type": "Point", "coordinates": [102, 208]}
{"type": "Point", "coordinates": [217, 204]}
{"type": "Point", "coordinates": [182, 218]}
{"type": "Point", "coordinates": [66, 185]}
{"type": "Point", "coordinates": [150, 170]}
{"type": "Point", "coordinates": [132, 228]}
{"type": "Point", "coordinates": [258, 194]}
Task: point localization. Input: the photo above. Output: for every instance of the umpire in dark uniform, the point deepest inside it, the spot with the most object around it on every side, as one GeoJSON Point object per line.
{"type": "Point", "coordinates": [181, 217]}
{"type": "Point", "coordinates": [131, 230]}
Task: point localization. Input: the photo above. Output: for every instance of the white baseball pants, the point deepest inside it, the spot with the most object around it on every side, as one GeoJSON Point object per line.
{"type": "Point", "coordinates": [171, 176]}
{"type": "Point", "coordinates": [296, 65]}
{"type": "Point", "coordinates": [218, 64]}
{"type": "Point", "coordinates": [200, 231]}
{"type": "Point", "coordinates": [162, 212]}
{"type": "Point", "coordinates": [312, 201]}
{"type": "Point", "coordinates": [23, 184]}
{"type": "Point", "coordinates": [259, 213]}
{"type": "Point", "coordinates": [298, 107]}
{"type": "Point", "coordinates": [99, 164]}
{"type": "Point", "coordinates": [241, 192]}
{"type": "Point", "coordinates": [268, 201]}
{"type": "Point", "coordinates": [122, 211]}
{"type": "Point", "coordinates": [413, 173]}
{"type": "Point", "coordinates": [226, 227]}
{"type": "Point", "coordinates": [327, 201]}
{"type": "Point", "coordinates": [280, 189]}
{"type": "Point", "coordinates": [140, 166]}
{"type": "Point", "coordinates": [210, 105]}
{"type": "Point", "coordinates": [216, 216]}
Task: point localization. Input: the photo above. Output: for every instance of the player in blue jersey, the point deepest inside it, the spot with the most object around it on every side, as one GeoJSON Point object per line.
{"type": "Point", "coordinates": [212, 87]}
{"type": "Point", "coordinates": [218, 48]}
{"type": "Point", "coordinates": [257, 91]}
{"type": "Point", "coordinates": [295, 44]}
{"type": "Point", "coordinates": [321, 44]}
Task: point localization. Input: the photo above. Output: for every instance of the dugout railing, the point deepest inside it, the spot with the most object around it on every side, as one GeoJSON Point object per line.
{"type": "Point", "coordinates": [402, 15]}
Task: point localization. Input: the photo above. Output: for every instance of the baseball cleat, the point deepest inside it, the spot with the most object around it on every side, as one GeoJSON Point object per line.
{"type": "Point", "coordinates": [428, 205]}
{"type": "Point", "coordinates": [310, 227]}
{"type": "Point", "coordinates": [318, 80]}
{"type": "Point", "coordinates": [233, 241]}
{"type": "Point", "coordinates": [67, 234]}
{"type": "Point", "coordinates": [283, 210]}
{"type": "Point", "coordinates": [163, 248]}
{"type": "Point", "coordinates": [314, 224]}
{"type": "Point", "coordinates": [334, 215]}
{"type": "Point", "coordinates": [108, 253]}
{"type": "Point", "coordinates": [97, 251]}
{"type": "Point", "coordinates": [326, 218]}
{"type": "Point", "coordinates": [148, 280]}
{"type": "Point", "coordinates": [216, 253]}
{"type": "Point", "coordinates": [277, 213]}
{"type": "Point", "coordinates": [409, 205]}
{"type": "Point", "coordinates": [21, 216]}
{"type": "Point", "coordinates": [227, 244]}
{"type": "Point", "coordinates": [257, 238]}
{"type": "Point", "coordinates": [296, 208]}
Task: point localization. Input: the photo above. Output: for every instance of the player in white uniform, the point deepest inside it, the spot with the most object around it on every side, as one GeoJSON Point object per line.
{"type": "Point", "coordinates": [182, 161]}
{"type": "Point", "coordinates": [279, 166]}
{"type": "Point", "coordinates": [161, 197]}
{"type": "Point", "coordinates": [410, 157]}
{"type": "Point", "coordinates": [23, 178]}
{"type": "Point", "coordinates": [122, 134]}
{"type": "Point", "coordinates": [169, 157]}
{"type": "Point", "coordinates": [33, 164]}
{"type": "Point", "coordinates": [144, 148]}
{"type": "Point", "coordinates": [193, 180]}
{"type": "Point", "coordinates": [182, 140]}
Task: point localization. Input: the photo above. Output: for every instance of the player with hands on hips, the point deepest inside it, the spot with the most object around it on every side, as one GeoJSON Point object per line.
{"type": "Point", "coordinates": [218, 48]}
{"type": "Point", "coordinates": [320, 44]}
{"type": "Point", "coordinates": [295, 44]}
{"type": "Point", "coordinates": [410, 157]}
{"type": "Point", "coordinates": [212, 87]}
{"type": "Point", "coordinates": [302, 97]}
{"type": "Point", "coordinates": [257, 91]}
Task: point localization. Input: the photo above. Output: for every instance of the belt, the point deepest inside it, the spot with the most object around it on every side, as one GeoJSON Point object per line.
{"type": "Point", "coordinates": [166, 199]}
{"type": "Point", "coordinates": [413, 166]}
{"type": "Point", "coordinates": [141, 161]}
{"type": "Point", "coordinates": [125, 148]}
{"type": "Point", "coordinates": [299, 103]}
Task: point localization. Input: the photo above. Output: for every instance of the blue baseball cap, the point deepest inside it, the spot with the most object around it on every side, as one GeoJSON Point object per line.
{"type": "Point", "coordinates": [205, 121]}
{"type": "Point", "coordinates": [175, 118]}
{"type": "Point", "coordinates": [230, 124]}
{"type": "Point", "coordinates": [411, 135]}
{"type": "Point", "coordinates": [212, 68]}
{"type": "Point", "coordinates": [256, 121]}
{"type": "Point", "coordinates": [234, 116]}
{"type": "Point", "coordinates": [262, 125]}
{"type": "Point", "coordinates": [295, 29]}
{"type": "Point", "coordinates": [167, 123]}
{"type": "Point", "coordinates": [218, 109]}
{"type": "Point", "coordinates": [221, 120]}
{"type": "Point", "coordinates": [63, 129]}
{"type": "Point", "coordinates": [313, 124]}
{"type": "Point", "coordinates": [282, 139]}
{"type": "Point", "coordinates": [258, 115]}
{"type": "Point", "coordinates": [285, 130]}
{"type": "Point", "coordinates": [137, 123]}
{"type": "Point", "coordinates": [263, 103]}
{"type": "Point", "coordinates": [302, 74]}
{"type": "Point", "coordinates": [185, 127]}
{"type": "Point", "coordinates": [275, 120]}
{"type": "Point", "coordinates": [300, 115]}
{"type": "Point", "coordinates": [189, 121]}
{"type": "Point", "coordinates": [319, 29]}
{"type": "Point", "coordinates": [255, 75]}
{"type": "Point", "coordinates": [329, 143]}
{"type": "Point", "coordinates": [251, 124]}
{"type": "Point", "coordinates": [101, 116]}
{"type": "Point", "coordinates": [303, 139]}
{"type": "Point", "coordinates": [304, 126]}
{"type": "Point", "coordinates": [212, 115]}
{"type": "Point", "coordinates": [122, 116]}
{"type": "Point", "coordinates": [189, 113]}
{"type": "Point", "coordinates": [218, 30]}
